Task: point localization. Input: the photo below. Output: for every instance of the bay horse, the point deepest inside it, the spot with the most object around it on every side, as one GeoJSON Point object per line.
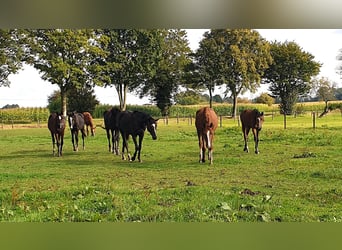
{"type": "Point", "coordinates": [134, 124]}
{"type": "Point", "coordinates": [56, 125]}
{"type": "Point", "coordinates": [88, 120]}
{"type": "Point", "coordinates": [206, 124]}
{"type": "Point", "coordinates": [112, 130]}
{"type": "Point", "coordinates": [251, 119]}
{"type": "Point", "coordinates": [76, 123]}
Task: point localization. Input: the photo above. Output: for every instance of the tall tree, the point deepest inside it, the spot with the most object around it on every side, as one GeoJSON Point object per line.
{"type": "Point", "coordinates": [62, 56]}
{"type": "Point", "coordinates": [129, 57]}
{"type": "Point", "coordinates": [169, 65]}
{"type": "Point", "coordinates": [290, 74]}
{"type": "Point", "coordinates": [325, 90]}
{"type": "Point", "coordinates": [234, 57]}
{"type": "Point", "coordinates": [12, 53]}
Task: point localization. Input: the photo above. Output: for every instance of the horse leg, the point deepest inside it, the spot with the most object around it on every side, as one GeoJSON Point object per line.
{"type": "Point", "coordinates": [113, 141]}
{"type": "Point", "coordinates": [256, 140]}
{"type": "Point", "coordinates": [245, 136]}
{"type": "Point", "coordinates": [210, 147]}
{"type": "Point", "coordinates": [61, 144]}
{"type": "Point", "coordinates": [116, 141]}
{"type": "Point", "coordinates": [76, 141]}
{"type": "Point", "coordinates": [134, 137]}
{"type": "Point", "coordinates": [141, 137]}
{"type": "Point", "coordinates": [125, 145]}
{"type": "Point", "coordinates": [53, 143]}
{"type": "Point", "coordinates": [199, 135]}
{"type": "Point", "coordinates": [83, 135]}
{"type": "Point", "coordinates": [108, 138]}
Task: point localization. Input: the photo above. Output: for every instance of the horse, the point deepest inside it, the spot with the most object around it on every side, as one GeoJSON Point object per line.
{"type": "Point", "coordinates": [251, 119]}
{"type": "Point", "coordinates": [134, 124]}
{"type": "Point", "coordinates": [76, 123]}
{"type": "Point", "coordinates": [109, 117]}
{"type": "Point", "coordinates": [206, 124]}
{"type": "Point", "coordinates": [56, 125]}
{"type": "Point", "coordinates": [88, 120]}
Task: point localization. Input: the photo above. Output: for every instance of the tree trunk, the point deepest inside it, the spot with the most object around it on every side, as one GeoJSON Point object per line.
{"type": "Point", "coordinates": [210, 98]}
{"type": "Point", "coordinates": [63, 102]}
{"type": "Point", "coordinates": [234, 108]}
{"type": "Point", "coordinates": [122, 93]}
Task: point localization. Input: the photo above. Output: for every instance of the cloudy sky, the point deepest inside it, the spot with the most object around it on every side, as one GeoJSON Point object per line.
{"type": "Point", "coordinates": [28, 90]}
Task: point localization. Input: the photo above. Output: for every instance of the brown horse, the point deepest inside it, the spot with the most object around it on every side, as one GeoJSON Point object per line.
{"type": "Point", "coordinates": [56, 125]}
{"type": "Point", "coordinates": [251, 119]}
{"type": "Point", "coordinates": [88, 120]}
{"type": "Point", "coordinates": [206, 124]}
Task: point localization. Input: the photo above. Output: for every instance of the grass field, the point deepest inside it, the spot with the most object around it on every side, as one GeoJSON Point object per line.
{"type": "Point", "coordinates": [296, 177]}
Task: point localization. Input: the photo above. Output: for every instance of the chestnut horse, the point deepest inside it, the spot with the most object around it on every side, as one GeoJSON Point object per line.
{"type": "Point", "coordinates": [206, 124]}
{"type": "Point", "coordinates": [88, 120]}
{"type": "Point", "coordinates": [251, 119]}
{"type": "Point", "coordinates": [56, 125]}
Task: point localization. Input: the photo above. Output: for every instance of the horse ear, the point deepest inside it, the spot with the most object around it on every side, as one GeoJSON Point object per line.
{"type": "Point", "coordinates": [262, 113]}
{"type": "Point", "coordinates": [156, 120]}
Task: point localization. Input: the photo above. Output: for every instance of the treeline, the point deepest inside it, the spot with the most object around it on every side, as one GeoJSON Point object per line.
{"type": "Point", "coordinates": [40, 115]}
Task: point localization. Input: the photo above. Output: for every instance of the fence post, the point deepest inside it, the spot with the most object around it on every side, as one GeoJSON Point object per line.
{"type": "Point", "coordinates": [177, 118]}
{"type": "Point", "coordinates": [313, 120]}
{"type": "Point", "coordinates": [220, 121]}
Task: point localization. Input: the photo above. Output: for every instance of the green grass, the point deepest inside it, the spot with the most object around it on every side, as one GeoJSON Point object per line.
{"type": "Point", "coordinates": [296, 176]}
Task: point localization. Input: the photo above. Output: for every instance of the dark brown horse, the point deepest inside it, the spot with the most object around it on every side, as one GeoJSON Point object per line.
{"type": "Point", "coordinates": [135, 124]}
{"type": "Point", "coordinates": [88, 120]}
{"type": "Point", "coordinates": [251, 119]}
{"type": "Point", "coordinates": [206, 124]}
{"type": "Point", "coordinates": [76, 123]}
{"type": "Point", "coordinates": [56, 125]}
{"type": "Point", "coordinates": [112, 129]}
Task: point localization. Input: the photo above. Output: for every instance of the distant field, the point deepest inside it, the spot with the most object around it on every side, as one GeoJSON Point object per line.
{"type": "Point", "coordinates": [296, 177]}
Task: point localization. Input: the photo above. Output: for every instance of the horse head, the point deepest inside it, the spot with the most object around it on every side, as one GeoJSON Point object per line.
{"type": "Point", "coordinates": [259, 120]}
{"type": "Point", "coordinates": [60, 122]}
{"type": "Point", "coordinates": [151, 125]}
{"type": "Point", "coordinates": [72, 120]}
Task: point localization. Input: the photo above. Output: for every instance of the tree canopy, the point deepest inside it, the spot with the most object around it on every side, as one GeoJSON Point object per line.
{"type": "Point", "coordinates": [12, 54]}
{"type": "Point", "coordinates": [234, 57]}
{"type": "Point", "coordinates": [290, 73]}
{"type": "Point", "coordinates": [62, 56]}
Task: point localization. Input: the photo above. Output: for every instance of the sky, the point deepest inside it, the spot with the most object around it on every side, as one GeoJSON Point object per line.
{"type": "Point", "coordinates": [27, 89]}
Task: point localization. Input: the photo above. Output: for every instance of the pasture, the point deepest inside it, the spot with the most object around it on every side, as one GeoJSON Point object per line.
{"type": "Point", "coordinates": [296, 177]}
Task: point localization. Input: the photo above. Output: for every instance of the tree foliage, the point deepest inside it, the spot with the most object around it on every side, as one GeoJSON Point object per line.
{"type": "Point", "coordinates": [234, 57]}
{"type": "Point", "coordinates": [169, 68]}
{"type": "Point", "coordinates": [265, 98]}
{"type": "Point", "coordinates": [127, 61]}
{"type": "Point", "coordinates": [12, 54]}
{"type": "Point", "coordinates": [82, 100]}
{"type": "Point", "coordinates": [63, 58]}
{"type": "Point", "coordinates": [290, 74]}
{"type": "Point", "coordinates": [326, 90]}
